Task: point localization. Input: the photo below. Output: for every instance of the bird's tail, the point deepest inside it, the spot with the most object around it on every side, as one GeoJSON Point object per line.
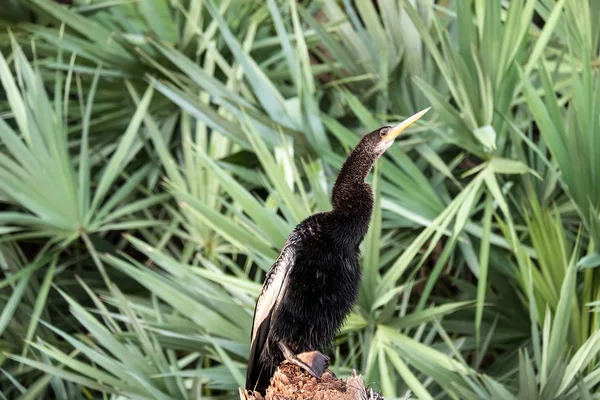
{"type": "Point", "coordinates": [258, 379]}
{"type": "Point", "coordinates": [258, 376]}
{"type": "Point", "coordinates": [259, 372]}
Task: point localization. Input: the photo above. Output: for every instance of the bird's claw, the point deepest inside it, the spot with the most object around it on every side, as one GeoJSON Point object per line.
{"type": "Point", "coordinates": [313, 362]}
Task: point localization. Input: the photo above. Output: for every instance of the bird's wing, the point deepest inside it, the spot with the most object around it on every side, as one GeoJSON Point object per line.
{"type": "Point", "coordinates": [272, 292]}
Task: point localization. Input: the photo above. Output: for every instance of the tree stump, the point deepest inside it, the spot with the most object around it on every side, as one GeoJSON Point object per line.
{"type": "Point", "coordinates": [293, 383]}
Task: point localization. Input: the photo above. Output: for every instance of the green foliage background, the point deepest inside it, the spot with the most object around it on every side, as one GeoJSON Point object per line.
{"type": "Point", "coordinates": [155, 154]}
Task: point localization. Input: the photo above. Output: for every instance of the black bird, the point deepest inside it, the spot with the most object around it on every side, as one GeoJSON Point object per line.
{"type": "Point", "coordinates": [314, 282]}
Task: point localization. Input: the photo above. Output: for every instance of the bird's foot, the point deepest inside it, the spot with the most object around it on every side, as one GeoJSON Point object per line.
{"type": "Point", "coordinates": [313, 362]}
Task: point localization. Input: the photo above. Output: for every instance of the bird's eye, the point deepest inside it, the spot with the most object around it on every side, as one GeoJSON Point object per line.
{"type": "Point", "coordinates": [383, 131]}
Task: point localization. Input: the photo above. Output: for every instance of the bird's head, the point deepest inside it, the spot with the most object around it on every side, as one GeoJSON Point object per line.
{"type": "Point", "coordinates": [378, 141]}
{"type": "Point", "coordinates": [351, 192]}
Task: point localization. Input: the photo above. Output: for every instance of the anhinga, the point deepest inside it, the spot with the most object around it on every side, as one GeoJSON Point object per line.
{"type": "Point", "coordinates": [314, 282]}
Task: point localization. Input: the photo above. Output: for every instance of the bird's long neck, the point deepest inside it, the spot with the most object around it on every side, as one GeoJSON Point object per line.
{"type": "Point", "coordinates": [352, 197]}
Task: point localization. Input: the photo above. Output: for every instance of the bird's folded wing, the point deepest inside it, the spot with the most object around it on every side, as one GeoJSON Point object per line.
{"type": "Point", "coordinates": [273, 290]}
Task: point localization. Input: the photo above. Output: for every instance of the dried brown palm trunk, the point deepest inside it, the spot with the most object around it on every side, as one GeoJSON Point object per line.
{"type": "Point", "coordinates": [292, 383]}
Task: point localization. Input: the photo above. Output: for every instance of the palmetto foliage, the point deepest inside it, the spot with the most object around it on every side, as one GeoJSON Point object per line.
{"type": "Point", "coordinates": [155, 154]}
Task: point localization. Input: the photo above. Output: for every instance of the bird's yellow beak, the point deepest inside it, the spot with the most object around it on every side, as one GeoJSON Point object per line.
{"type": "Point", "coordinates": [398, 129]}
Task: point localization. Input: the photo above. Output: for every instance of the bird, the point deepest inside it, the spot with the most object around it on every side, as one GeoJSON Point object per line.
{"type": "Point", "coordinates": [313, 284]}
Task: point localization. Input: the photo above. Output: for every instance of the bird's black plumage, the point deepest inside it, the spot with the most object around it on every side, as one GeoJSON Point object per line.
{"type": "Point", "coordinates": [311, 288]}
